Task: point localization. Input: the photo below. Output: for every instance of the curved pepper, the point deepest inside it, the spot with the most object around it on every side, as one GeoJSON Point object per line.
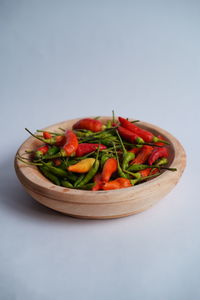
{"type": "Point", "coordinates": [109, 168]}
{"type": "Point", "coordinates": [41, 151]}
{"type": "Point", "coordinates": [86, 148]}
{"type": "Point", "coordinates": [89, 124]}
{"type": "Point", "coordinates": [157, 153]}
{"type": "Point", "coordinates": [82, 166]}
{"type": "Point", "coordinates": [47, 135]}
{"type": "Point", "coordinates": [129, 135]}
{"type": "Point", "coordinates": [143, 155]}
{"type": "Point", "coordinates": [118, 183]}
{"type": "Point", "coordinates": [71, 144]}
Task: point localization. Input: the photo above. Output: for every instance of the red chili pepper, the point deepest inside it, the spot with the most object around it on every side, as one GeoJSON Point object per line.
{"type": "Point", "coordinates": [109, 168]}
{"type": "Point", "coordinates": [118, 183]}
{"type": "Point", "coordinates": [71, 144]}
{"type": "Point", "coordinates": [89, 124]}
{"type": "Point", "coordinates": [57, 162]}
{"type": "Point", "coordinates": [47, 135]}
{"type": "Point", "coordinates": [60, 140]}
{"type": "Point", "coordinates": [129, 135]}
{"type": "Point", "coordinates": [98, 182]}
{"type": "Point", "coordinates": [143, 155]}
{"type": "Point", "coordinates": [135, 150]}
{"type": "Point", "coordinates": [144, 134]}
{"type": "Point", "coordinates": [41, 151]}
{"type": "Point", "coordinates": [86, 148]}
{"type": "Point", "coordinates": [145, 172]}
{"type": "Point", "coordinates": [157, 153]}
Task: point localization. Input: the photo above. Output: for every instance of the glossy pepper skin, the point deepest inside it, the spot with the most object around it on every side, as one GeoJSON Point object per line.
{"type": "Point", "coordinates": [118, 183]}
{"type": "Point", "coordinates": [71, 143]}
{"type": "Point", "coordinates": [143, 155]}
{"type": "Point", "coordinates": [109, 168]}
{"type": "Point", "coordinates": [41, 151]}
{"type": "Point", "coordinates": [86, 148]}
{"type": "Point", "coordinates": [97, 182]}
{"type": "Point", "coordinates": [89, 124]}
{"type": "Point", "coordinates": [129, 135]}
{"type": "Point", "coordinates": [147, 136]}
{"type": "Point", "coordinates": [47, 135]}
{"type": "Point", "coordinates": [60, 140]}
{"type": "Point", "coordinates": [158, 153]}
{"type": "Point", "coordinates": [82, 166]}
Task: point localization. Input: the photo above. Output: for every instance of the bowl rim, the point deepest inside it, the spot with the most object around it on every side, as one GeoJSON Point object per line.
{"type": "Point", "coordinates": [36, 181]}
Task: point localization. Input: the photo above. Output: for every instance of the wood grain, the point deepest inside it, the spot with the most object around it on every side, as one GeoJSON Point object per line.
{"type": "Point", "coordinates": [101, 204]}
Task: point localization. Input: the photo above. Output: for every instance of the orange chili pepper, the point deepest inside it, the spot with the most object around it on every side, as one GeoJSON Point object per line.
{"type": "Point", "coordinates": [98, 182]}
{"type": "Point", "coordinates": [118, 183]}
{"type": "Point", "coordinates": [47, 135]}
{"type": "Point", "coordinates": [71, 144]}
{"type": "Point", "coordinates": [109, 168]}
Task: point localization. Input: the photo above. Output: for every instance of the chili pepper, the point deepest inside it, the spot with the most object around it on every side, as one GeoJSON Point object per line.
{"type": "Point", "coordinates": [82, 166]}
{"type": "Point", "coordinates": [86, 148]}
{"type": "Point", "coordinates": [48, 175]}
{"type": "Point", "coordinates": [89, 124]}
{"type": "Point", "coordinates": [83, 133]}
{"type": "Point", "coordinates": [109, 168]}
{"type": "Point", "coordinates": [143, 155]}
{"type": "Point", "coordinates": [108, 124]}
{"type": "Point", "coordinates": [71, 145]}
{"type": "Point", "coordinates": [97, 182]}
{"type": "Point", "coordinates": [127, 156]}
{"type": "Point", "coordinates": [50, 141]}
{"type": "Point", "coordinates": [66, 184]}
{"type": "Point", "coordinates": [119, 169]}
{"type": "Point", "coordinates": [157, 153]}
{"type": "Point", "coordinates": [47, 135]}
{"type": "Point", "coordinates": [147, 136]}
{"type": "Point", "coordinates": [53, 150]}
{"type": "Point", "coordinates": [92, 172]}
{"type": "Point", "coordinates": [130, 136]}
{"type": "Point", "coordinates": [56, 171]}
{"type": "Point", "coordinates": [135, 150]}
{"type": "Point", "coordinates": [41, 151]}
{"type": "Point", "coordinates": [57, 162]}
{"type": "Point", "coordinates": [104, 158]}
{"type": "Point", "coordinates": [60, 140]}
{"type": "Point", "coordinates": [88, 186]}
{"type": "Point", "coordinates": [118, 183]}
{"type": "Point", "coordinates": [78, 181]}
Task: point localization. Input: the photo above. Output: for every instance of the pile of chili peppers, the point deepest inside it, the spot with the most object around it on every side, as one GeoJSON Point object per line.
{"type": "Point", "coordinates": [96, 156]}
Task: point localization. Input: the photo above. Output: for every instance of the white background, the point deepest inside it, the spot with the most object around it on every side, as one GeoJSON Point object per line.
{"type": "Point", "coordinates": [66, 59]}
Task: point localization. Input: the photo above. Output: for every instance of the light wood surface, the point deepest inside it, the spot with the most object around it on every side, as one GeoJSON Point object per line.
{"type": "Point", "coordinates": [101, 204]}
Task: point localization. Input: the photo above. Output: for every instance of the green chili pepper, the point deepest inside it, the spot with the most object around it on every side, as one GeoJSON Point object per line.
{"type": "Point", "coordinates": [108, 124]}
{"type": "Point", "coordinates": [119, 169]}
{"type": "Point", "coordinates": [138, 167]}
{"type": "Point", "coordinates": [87, 186]}
{"type": "Point", "coordinates": [77, 182]}
{"type": "Point", "coordinates": [66, 183]}
{"type": "Point", "coordinates": [53, 150]}
{"type": "Point", "coordinates": [92, 171]}
{"type": "Point", "coordinates": [47, 174]}
{"type": "Point", "coordinates": [161, 161]}
{"type": "Point", "coordinates": [127, 156]}
{"type": "Point", "coordinates": [71, 176]}
{"type": "Point", "coordinates": [56, 171]}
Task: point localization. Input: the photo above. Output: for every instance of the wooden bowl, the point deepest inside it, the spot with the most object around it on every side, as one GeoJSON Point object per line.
{"type": "Point", "coordinates": [101, 204]}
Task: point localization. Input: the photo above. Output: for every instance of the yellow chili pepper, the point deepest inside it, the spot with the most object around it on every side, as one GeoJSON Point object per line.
{"type": "Point", "coordinates": [82, 166]}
